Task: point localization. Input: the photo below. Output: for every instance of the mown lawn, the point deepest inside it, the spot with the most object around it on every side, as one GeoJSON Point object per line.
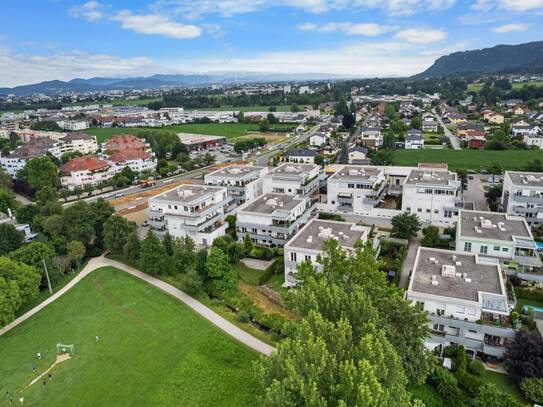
{"type": "Point", "coordinates": [228, 130]}
{"type": "Point", "coordinates": [279, 108]}
{"type": "Point", "coordinates": [468, 159]}
{"type": "Point", "coordinates": [152, 350]}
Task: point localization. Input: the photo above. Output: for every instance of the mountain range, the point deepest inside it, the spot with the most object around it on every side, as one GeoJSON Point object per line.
{"type": "Point", "coordinates": [78, 85]}
{"type": "Point", "coordinates": [524, 58]}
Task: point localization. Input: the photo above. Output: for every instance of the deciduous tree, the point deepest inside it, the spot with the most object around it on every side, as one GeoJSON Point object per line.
{"type": "Point", "coordinates": [220, 273]}
{"type": "Point", "coordinates": [116, 231]}
{"type": "Point", "coordinates": [10, 238]}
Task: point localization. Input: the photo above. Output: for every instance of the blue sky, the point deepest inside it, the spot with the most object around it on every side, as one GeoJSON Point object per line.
{"type": "Point", "coordinates": [64, 39]}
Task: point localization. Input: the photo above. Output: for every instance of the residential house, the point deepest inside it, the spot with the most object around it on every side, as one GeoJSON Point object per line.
{"type": "Point", "coordinates": [430, 126]}
{"type": "Point", "coordinates": [307, 244]}
{"type": "Point", "coordinates": [414, 140]}
{"type": "Point", "coordinates": [358, 155]}
{"type": "Point", "coordinates": [371, 137]}
{"type": "Point", "coordinates": [80, 142]}
{"type": "Point", "coordinates": [533, 140]}
{"type": "Point", "coordinates": [137, 160]}
{"type": "Point", "coordinates": [293, 179]}
{"type": "Point", "coordinates": [523, 195]}
{"type": "Point", "coordinates": [196, 211]}
{"type": "Point", "coordinates": [505, 237]}
{"type": "Point", "coordinates": [87, 170]}
{"type": "Point", "coordinates": [465, 298]}
{"type": "Point", "coordinates": [36, 147]}
{"type": "Point", "coordinates": [302, 156]}
{"type": "Point", "coordinates": [243, 182]}
{"type": "Point", "coordinates": [272, 219]}
{"type": "Point", "coordinates": [318, 139]}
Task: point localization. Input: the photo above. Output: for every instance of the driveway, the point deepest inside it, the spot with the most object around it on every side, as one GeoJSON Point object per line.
{"type": "Point", "coordinates": [409, 262]}
{"type": "Point", "coordinates": [98, 262]}
{"type": "Point", "coordinates": [476, 194]}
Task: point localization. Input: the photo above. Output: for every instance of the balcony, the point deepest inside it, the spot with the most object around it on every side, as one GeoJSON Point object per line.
{"type": "Point", "coordinates": [527, 260]}
{"type": "Point", "coordinates": [480, 326]}
{"type": "Point", "coordinates": [531, 199]}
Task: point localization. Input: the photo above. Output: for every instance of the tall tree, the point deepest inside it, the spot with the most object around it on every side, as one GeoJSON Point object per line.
{"type": "Point", "coordinates": [7, 200]}
{"type": "Point", "coordinates": [221, 274]}
{"type": "Point", "coordinates": [184, 256]}
{"type": "Point", "coordinates": [75, 251]}
{"type": "Point", "coordinates": [116, 231]}
{"type": "Point", "coordinates": [26, 277]}
{"type": "Point", "coordinates": [33, 254]}
{"type": "Point", "coordinates": [131, 249]}
{"type": "Point", "coordinates": [153, 259]}
{"type": "Point", "coordinates": [524, 356]}
{"type": "Point", "coordinates": [10, 300]}
{"type": "Point", "coordinates": [40, 172]}
{"type": "Point", "coordinates": [405, 225]}
{"type": "Point", "coordinates": [10, 238]}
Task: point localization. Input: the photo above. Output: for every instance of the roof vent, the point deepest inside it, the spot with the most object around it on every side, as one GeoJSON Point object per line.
{"type": "Point", "coordinates": [184, 193]}
{"type": "Point", "coordinates": [271, 202]}
{"type": "Point", "coordinates": [448, 271]}
{"type": "Point", "coordinates": [467, 280]}
{"type": "Point", "coordinates": [434, 282]}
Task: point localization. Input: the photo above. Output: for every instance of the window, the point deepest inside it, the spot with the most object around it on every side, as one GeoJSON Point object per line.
{"type": "Point", "coordinates": [428, 210]}
{"type": "Point", "coordinates": [439, 327]}
{"type": "Point", "coordinates": [436, 211]}
{"type": "Point", "coordinates": [505, 249]}
{"type": "Point", "coordinates": [419, 209]}
{"type": "Point", "coordinates": [440, 311]}
{"type": "Point", "coordinates": [472, 331]}
{"type": "Point", "coordinates": [292, 256]}
{"type": "Point", "coordinates": [408, 209]}
{"type": "Point", "coordinates": [483, 250]}
{"type": "Point", "coordinates": [496, 248]}
{"type": "Point", "coordinates": [308, 257]}
{"type": "Point", "coordinates": [467, 246]}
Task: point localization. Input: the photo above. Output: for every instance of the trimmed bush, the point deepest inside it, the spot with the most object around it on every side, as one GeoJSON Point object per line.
{"type": "Point", "coordinates": [477, 367]}
{"type": "Point", "coordinates": [532, 388]}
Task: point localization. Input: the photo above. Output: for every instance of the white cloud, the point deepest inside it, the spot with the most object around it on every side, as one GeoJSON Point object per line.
{"type": "Point", "coordinates": [365, 29]}
{"type": "Point", "coordinates": [90, 11]}
{"type": "Point", "coordinates": [521, 5]}
{"type": "Point", "coordinates": [19, 69]}
{"type": "Point", "coordinates": [511, 27]}
{"type": "Point", "coordinates": [421, 35]}
{"type": "Point", "coordinates": [154, 24]}
{"type": "Point", "coordinates": [197, 8]}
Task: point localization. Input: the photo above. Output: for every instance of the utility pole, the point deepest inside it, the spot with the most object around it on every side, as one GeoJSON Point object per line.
{"type": "Point", "coordinates": [47, 275]}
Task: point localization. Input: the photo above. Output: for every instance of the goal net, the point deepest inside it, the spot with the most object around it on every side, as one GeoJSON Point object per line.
{"type": "Point", "coordinates": [61, 348]}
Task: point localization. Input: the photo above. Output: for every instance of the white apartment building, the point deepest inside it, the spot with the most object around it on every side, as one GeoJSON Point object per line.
{"type": "Point", "coordinates": [38, 147]}
{"type": "Point", "coordinates": [196, 211]}
{"type": "Point", "coordinates": [84, 143]}
{"type": "Point", "coordinates": [432, 194]}
{"type": "Point", "coordinates": [243, 182]}
{"type": "Point", "coordinates": [523, 195]}
{"type": "Point", "coordinates": [505, 237]}
{"type": "Point", "coordinates": [272, 219]}
{"type": "Point", "coordinates": [137, 160]}
{"type": "Point", "coordinates": [465, 298]}
{"type": "Point", "coordinates": [356, 189]}
{"type": "Point", "coordinates": [307, 244]}
{"type": "Point", "coordinates": [73, 125]}
{"type": "Point", "coordinates": [293, 179]}
{"type": "Point", "coordinates": [88, 170]}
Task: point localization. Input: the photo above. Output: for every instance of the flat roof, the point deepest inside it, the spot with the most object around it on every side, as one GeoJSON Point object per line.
{"type": "Point", "coordinates": [189, 138]}
{"type": "Point", "coordinates": [483, 277]}
{"type": "Point", "coordinates": [269, 203]}
{"type": "Point", "coordinates": [527, 179]}
{"type": "Point", "coordinates": [358, 173]}
{"type": "Point", "coordinates": [430, 177]}
{"type": "Point", "coordinates": [492, 225]}
{"type": "Point", "coordinates": [293, 169]}
{"type": "Point", "coordinates": [236, 171]}
{"type": "Point", "coordinates": [317, 231]}
{"type": "Point", "coordinates": [187, 194]}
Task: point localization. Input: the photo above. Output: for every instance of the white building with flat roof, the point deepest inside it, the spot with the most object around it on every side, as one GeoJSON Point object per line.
{"type": "Point", "coordinates": [307, 244]}
{"type": "Point", "coordinates": [293, 179]}
{"type": "Point", "coordinates": [197, 211]}
{"type": "Point", "coordinates": [433, 195]}
{"type": "Point", "coordinates": [243, 182]}
{"type": "Point", "coordinates": [505, 237]}
{"type": "Point", "coordinates": [465, 298]}
{"type": "Point", "coordinates": [523, 195]}
{"type": "Point", "coordinates": [272, 219]}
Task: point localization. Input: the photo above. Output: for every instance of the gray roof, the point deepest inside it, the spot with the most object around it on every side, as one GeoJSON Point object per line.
{"type": "Point", "coordinates": [358, 173]}
{"type": "Point", "coordinates": [301, 152]}
{"type": "Point", "coordinates": [236, 171]}
{"type": "Point", "coordinates": [492, 225]}
{"type": "Point", "coordinates": [187, 194]}
{"type": "Point", "coordinates": [414, 132]}
{"type": "Point", "coordinates": [317, 231]}
{"type": "Point", "coordinates": [526, 179]}
{"type": "Point", "coordinates": [430, 177]}
{"type": "Point", "coordinates": [484, 276]}
{"type": "Point", "coordinates": [414, 137]}
{"type": "Point", "coordinates": [293, 169]}
{"type": "Point", "coordinates": [269, 203]}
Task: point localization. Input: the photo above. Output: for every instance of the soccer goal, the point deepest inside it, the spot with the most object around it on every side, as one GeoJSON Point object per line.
{"type": "Point", "coordinates": [61, 348]}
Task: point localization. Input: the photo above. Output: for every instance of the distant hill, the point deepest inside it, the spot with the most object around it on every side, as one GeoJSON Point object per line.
{"type": "Point", "coordinates": [158, 81]}
{"type": "Point", "coordinates": [515, 59]}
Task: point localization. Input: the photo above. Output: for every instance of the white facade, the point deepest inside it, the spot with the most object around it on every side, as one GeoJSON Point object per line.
{"type": "Point", "coordinates": [190, 210]}
{"type": "Point", "coordinates": [307, 244]}
{"type": "Point", "coordinates": [465, 298]}
{"type": "Point", "coordinates": [73, 125]}
{"type": "Point", "coordinates": [318, 140]}
{"type": "Point", "coordinates": [77, 179]}
{"type": "Point", "coordinates": [292, 179]}
{"type": "Point", "coordinates": [533, 140]}
{"type": "Point", "coordinates": [84, 144]}
{"type": "Point", "coordinates": [12, 165]}
{"type": "Point", "coordinates": [432, 195]}
{"type": "Point", "coordinates": [272, 219]}
{"type": "Point", "coordinates": [523, 195]}
{"type": "Point", "coordinates": [243, 183]}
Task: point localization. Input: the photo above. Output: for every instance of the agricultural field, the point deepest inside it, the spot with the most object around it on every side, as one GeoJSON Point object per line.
{"type": "Point", "coordinates": [468, 159]}
{"type": "Point", "coordinates": [229, 130]}
{"type": "Point", "coordinates": [151, 350]}
{"type": "Point", "coordinates": [279, 108]}
{"type": "Point", "coordinates": [476, 87]}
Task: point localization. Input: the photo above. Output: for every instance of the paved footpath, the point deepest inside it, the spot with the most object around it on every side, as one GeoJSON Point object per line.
{"type": "Point", "coordinates": [97, 262]}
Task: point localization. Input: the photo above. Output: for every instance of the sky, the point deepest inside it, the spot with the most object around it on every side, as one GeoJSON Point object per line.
{"type": "Point", "coordinates": [65, 39]}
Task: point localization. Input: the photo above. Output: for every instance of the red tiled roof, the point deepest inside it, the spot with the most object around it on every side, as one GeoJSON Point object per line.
{"type": "Point", "coordinates": [125, 142]}
{"type": "Point", "coordinates": [129, 155]}
{"type": "Point", "coordinates": [88, 163]}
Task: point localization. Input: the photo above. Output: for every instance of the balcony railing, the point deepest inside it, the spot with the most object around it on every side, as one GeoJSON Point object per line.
{"type": "Point", "coordinates": [523, 198]}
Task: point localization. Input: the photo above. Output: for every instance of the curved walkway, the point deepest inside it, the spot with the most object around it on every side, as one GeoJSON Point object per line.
{"type": "Point", "coordinates": [98, 262]}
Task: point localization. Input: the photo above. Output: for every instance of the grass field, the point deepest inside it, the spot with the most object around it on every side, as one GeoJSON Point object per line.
{"type": "Point", "coordinates": [229, 130]}
{"type": "Point", "coordinates": [152, 351]}
{"type": "Point", "coordinates": [280, 108]}
{"type": "Point", "coordinates": [476, 87]}
{"type": "Point", "coordinates": [468, 159]}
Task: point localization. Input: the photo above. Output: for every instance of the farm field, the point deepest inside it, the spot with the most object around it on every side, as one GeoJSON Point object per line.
{"type": "Point", "coordinates": [152, 350]}
{"type": "Point", "coordinates": [229, 130]}
{"type": "Point", "coordinates": [476, 87]}
{"type": "Point", "coordinates": [468, 159]}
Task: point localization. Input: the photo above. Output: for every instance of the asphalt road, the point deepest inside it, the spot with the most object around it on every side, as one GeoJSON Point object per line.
{"type": "Point", "coordinates": [475, 193]}
{"type": "Point", "coordinates": [455, 143]}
